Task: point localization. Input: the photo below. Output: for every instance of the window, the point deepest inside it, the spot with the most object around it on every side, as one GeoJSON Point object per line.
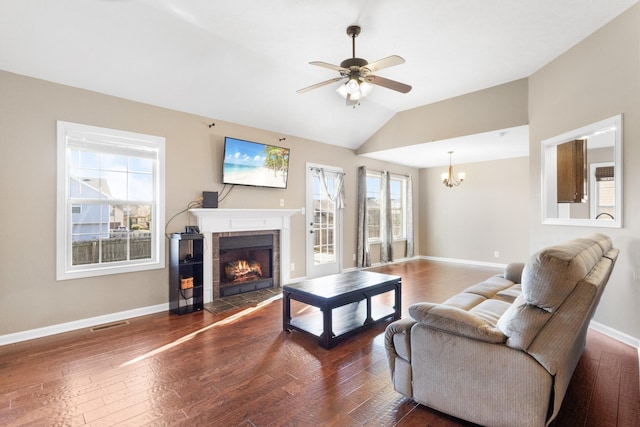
{"type": "Point", "coordinates": [398, 187]}
{"type": "Point", "coordinates": [110, 201]}
{"type": "Point", "coordinates": [603, 200]}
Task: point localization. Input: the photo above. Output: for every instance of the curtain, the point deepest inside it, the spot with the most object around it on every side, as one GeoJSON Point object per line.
{"type": "Point", "coordinates": [386, 250]}
{"type": "Point", "coordinates": [605, 173]}
{"type": "Point", "coordinates": [338, 189]}
{"type": "Point", "coordinates": [409, 216]}
{"type": "Point", "coordinates": [363, 257]}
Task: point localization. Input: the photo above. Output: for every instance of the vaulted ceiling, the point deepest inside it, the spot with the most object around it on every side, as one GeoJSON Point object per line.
{"type": "Point", "coordinates": [243, 60]}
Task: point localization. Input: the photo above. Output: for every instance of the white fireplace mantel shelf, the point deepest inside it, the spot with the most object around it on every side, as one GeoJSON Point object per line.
{"type": "Point", "coordinates": [229, 220]}
{"type": "Point", "coordinates": [221, 220]}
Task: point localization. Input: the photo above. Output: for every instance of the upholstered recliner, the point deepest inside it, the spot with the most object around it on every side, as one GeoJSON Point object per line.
{"type": "Point", "coordinates": [502, 352]}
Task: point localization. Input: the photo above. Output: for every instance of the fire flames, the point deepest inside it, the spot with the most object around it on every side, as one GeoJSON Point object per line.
{"type": "Point", "coordinates": [243, 270]}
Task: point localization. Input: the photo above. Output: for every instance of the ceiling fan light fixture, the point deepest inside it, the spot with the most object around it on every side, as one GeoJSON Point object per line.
{"type": "Point", "coordinates": [365, 88]}
{"type": "Point", "coordinates": [356, 96]}
{"type": "Point", "coordinates": [352, 86]}
{"type": "Point", "coordinates": [354, 89]}
{"type": "Point", "coordinates": [342, 90]}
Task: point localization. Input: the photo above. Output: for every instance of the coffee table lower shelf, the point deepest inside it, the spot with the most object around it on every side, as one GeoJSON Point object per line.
{"type": "Point", "coordinates": [344, 305]}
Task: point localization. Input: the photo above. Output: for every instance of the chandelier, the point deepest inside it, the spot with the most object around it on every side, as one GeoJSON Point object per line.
{"type": "Point", "coordinates": [448, 179]}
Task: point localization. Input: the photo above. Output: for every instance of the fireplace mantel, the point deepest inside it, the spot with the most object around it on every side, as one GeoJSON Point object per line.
{"type": "Point", "coordinates": [228, 220]}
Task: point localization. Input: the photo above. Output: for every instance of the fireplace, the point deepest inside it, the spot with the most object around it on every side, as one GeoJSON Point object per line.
{"type": "Point", "coordinates": [245, 262]}
{"type": "Point", "coordinates": [213, 222]}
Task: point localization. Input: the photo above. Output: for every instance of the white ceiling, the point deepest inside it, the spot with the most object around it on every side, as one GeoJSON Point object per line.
{"type": "Point", "coordinates": [243, 60]}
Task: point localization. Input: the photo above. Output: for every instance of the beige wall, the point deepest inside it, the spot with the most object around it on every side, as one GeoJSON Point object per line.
{"type": "Point", "coordinates": [498, 107]}
{"type": "Point", "coordinates": [597, 79]}
{"type": "Point", "coordinates": [488, 212]}
{"type": "Point", "coordinates": [30, 296]}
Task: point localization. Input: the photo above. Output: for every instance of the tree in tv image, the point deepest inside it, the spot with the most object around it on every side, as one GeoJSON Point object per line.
{"type": "Point", "coordinates": [255, 164]}
{"type": "Point", "coordinates": [277, 159]}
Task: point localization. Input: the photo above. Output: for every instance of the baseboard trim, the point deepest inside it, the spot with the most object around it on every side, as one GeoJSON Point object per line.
{"type": "Point", "coordinates": [81, 324]}
{"type": "Point", "coordinates": [615, 334]}
{"type": "Point", "coordinates": [464, 261]}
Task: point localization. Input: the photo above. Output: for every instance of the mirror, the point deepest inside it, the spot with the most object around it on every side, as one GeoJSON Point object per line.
{"type": "Point", "coordinates": [582, 176]}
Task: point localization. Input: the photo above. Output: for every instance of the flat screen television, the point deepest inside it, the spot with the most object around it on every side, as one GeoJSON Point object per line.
{"type": "Point", "coordinates": [254, 164]}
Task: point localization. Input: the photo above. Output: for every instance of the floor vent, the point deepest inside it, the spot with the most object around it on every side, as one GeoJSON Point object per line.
{"type": "Point", "coordinates": [109, 326]}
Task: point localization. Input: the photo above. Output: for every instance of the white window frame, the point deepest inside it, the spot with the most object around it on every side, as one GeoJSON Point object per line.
{"type": "Point", "coordinates": [71, 134]}
{"type": "Point", "coordinates": [403, 184]}
{"type": "Point", "coordinates": [403, 180]}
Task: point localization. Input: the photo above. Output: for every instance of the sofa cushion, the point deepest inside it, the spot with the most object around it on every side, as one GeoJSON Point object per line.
{"type": "Point", "coordinates": [465, 300]}
{"type": "Point", "coordinates": [455, 321]}
{"type": "Point", "coordinates": [490, 287]}
{"type": "Point", "coordinates": [510, 294]}
{"type": "Point", "coordinates": [552, 274]}
{"type": "Point", "coordinates": [490, 310]}
{"type": "Point", "coordinates": [521, 322]}
{"type": "Point", "coordinates": [604, 241]}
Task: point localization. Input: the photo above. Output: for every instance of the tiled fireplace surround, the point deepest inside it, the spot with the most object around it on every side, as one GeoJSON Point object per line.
{"type": "Point", "coordinates": [225, 222]}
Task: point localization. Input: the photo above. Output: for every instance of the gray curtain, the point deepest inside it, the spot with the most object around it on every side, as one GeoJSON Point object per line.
{"type": "Point", "coordinates": [363, 257]}
{"type": "Point", "coordinates": [386, 250]}
{"type": "Point", "coordinates": [410, 248]}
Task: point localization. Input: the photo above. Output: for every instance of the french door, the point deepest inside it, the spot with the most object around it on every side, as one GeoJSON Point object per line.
{"type": "Point", "coordinates": [324, 221]}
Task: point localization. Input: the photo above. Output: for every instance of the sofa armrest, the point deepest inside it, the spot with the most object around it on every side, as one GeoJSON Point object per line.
{"type": "Point", "coordinates": [455, 321]}
{"type": "Point", "coordinates": [397, 338]}
{"type": "Point", "coordinates": [397, 342]}
{"type": "Point", "coordinates": [513, 272]}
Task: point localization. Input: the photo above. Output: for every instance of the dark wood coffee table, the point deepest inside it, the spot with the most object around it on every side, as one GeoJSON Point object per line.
{"type": "Point", "coordinates": [339, 298]}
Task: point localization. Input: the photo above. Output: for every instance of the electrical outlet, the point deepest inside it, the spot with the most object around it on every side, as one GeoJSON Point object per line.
{"type": "Point", "coordinates": [281, 203]}
{"type": "Point", "coordinates": [354, 257]}
{"type": "Point", "coordinates": [496, 254]}
{"type": "Point", "coordinates": [293, 266]}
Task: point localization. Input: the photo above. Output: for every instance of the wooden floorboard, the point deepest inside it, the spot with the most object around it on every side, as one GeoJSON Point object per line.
{"type": "Point", "coordinates": [239, 368]}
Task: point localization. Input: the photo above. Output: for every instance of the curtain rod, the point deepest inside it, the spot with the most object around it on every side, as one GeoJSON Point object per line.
{"type": "Point", "coordinates": [398, 174]}
{"type": "Point", "coordinates": [316, 168]}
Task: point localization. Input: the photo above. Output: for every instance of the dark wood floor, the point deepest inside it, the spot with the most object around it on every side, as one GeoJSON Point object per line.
{"type": "Point", "coordinates": [240, 369]}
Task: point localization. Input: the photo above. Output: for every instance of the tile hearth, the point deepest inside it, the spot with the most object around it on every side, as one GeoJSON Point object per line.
{"type": "Point", "coordinates": [244, 300]}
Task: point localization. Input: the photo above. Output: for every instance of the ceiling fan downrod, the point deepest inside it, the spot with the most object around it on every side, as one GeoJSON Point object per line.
{"type": "Point", "coordinates": [353, 32]}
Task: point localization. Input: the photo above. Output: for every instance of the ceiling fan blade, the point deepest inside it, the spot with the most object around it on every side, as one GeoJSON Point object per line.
{"type": "Point", "coordinates": [327, 65]}
{"type": "Point", "coordinates": [317, 85]}
{"type": "Point", "coordinates": [387, 62]}
{"type": "Point", "coordinates": [388, 83]}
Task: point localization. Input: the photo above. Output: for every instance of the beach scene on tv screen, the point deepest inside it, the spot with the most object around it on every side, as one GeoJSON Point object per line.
{"type": "Point", "coordinates": [250, 163]}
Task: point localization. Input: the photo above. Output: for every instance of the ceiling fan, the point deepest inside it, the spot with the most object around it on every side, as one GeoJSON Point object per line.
{"type": "Point", "coordinates": [358, 73]}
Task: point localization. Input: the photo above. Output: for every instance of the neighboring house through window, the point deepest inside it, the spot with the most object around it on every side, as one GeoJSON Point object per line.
{"type": "Point", "coordinates": [110, 201]}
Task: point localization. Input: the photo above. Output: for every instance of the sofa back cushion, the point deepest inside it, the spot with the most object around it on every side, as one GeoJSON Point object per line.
{"type": "Point", "coordinates": [549, 277]}
{"type": "Point", "coordinates": [553, 273]}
